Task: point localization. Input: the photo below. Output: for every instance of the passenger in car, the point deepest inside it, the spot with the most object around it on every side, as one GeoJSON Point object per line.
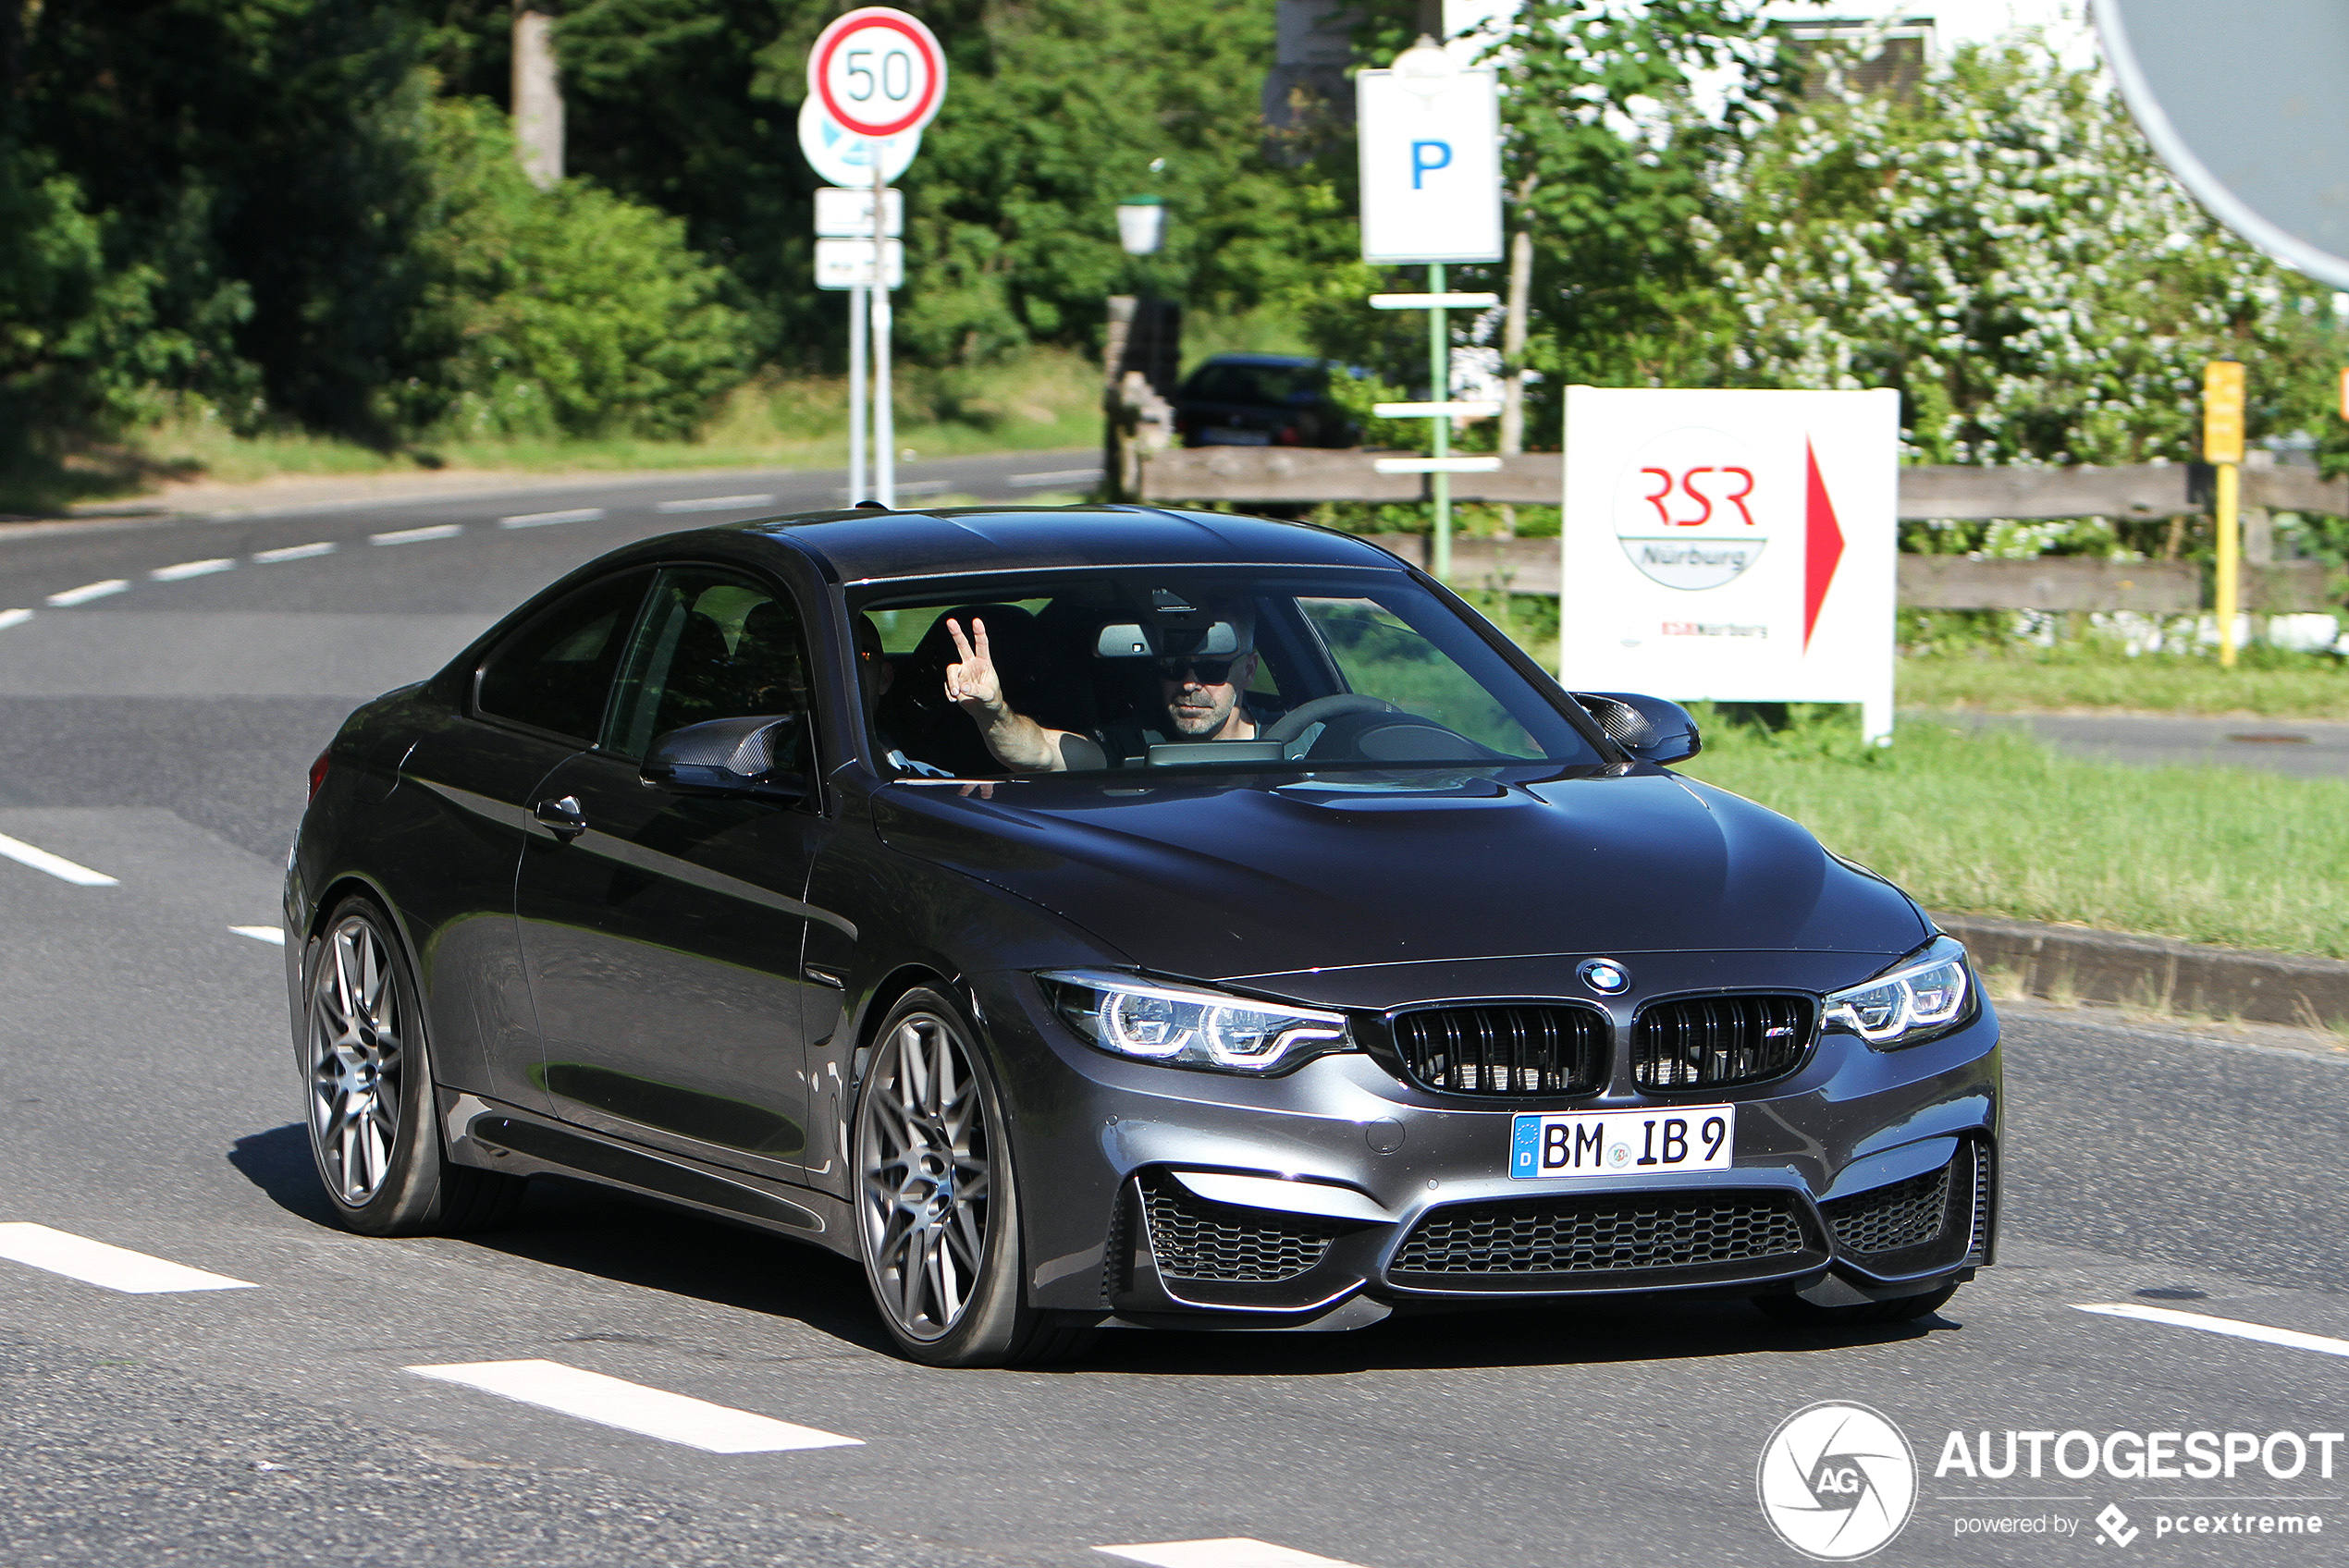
{"type": "Point", "coordinates": [880, 674]}
{"type": "Point", "coordinates": [1199, 698]}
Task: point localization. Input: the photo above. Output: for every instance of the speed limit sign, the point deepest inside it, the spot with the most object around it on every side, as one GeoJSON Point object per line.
{"type": "Point", "coordinates": [878, 72]}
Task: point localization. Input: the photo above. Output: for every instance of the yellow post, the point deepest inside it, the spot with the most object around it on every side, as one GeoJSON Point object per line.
{"type": "Point", "coordinates": [2222, 445]}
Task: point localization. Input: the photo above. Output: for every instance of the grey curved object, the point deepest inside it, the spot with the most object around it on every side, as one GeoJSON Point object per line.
{"type": "Point", "coordinates": [2249, 107]}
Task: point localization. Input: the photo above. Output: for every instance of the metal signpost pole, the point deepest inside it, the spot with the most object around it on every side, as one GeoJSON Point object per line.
{"type": "Point", "coordinates": [884, 422]}
{"type": "Point", "coordinates": [857, 308]}
{"type": "Point", "coordinates": [1439, 391]}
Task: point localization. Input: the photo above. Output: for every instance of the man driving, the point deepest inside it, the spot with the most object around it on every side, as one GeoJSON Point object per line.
{"type": "Point", "coordinates": [1202, 696]}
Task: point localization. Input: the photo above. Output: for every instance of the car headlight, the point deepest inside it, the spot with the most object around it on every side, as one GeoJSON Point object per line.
{"type": "Point", "coordinates": [1181, 1026]}
{"type": "Point", "coordinates": [1926, 994]}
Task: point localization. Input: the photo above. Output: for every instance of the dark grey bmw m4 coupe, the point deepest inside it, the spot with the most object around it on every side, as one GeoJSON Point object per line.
{"type": "Point", "coordinates": [1108, 917]}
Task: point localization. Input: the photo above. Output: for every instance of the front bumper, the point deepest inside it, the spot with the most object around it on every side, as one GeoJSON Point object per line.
{"type": "Point", "coordinates": [1339, 1192]}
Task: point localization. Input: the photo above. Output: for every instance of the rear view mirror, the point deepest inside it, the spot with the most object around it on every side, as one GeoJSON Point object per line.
{"type": "Point", "coordinates": [1649, 727]}
{"type": "Point", "coordinates": [759, 755]}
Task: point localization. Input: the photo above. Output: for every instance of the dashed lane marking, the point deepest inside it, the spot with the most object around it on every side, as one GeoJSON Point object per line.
{"type": "Point", "coordinates": [417, 536]}
{"type": "Point", "coordinates": [1058, 476]}
{"type": "Point", "coordinates": [545, 519]}
{"type": "Point", "coordinates": [911, 487]}
{"type": "Point", "coordinates": [14, 617]}
{"type": "Point", "coordinates": [58, 866]}
{"type": "Point", "coordinates": [186, 569]}
{"type": "Point", "coordinates": [88, 592]}
{"type": "Point", "coordinates": [1232, 1551]}
{"type": "Point", "coordinates": [295, 552]}
{"type": "Point", "coordinates": [95, 1263]}
{"type": "Point", "coordinates": [714, 503]}
{"type": "Point", "coordinates": [631, 1407]}
{"type": "Point", "coordinates": [2292, 1338]}
{"type": "Point", "coordinates": [269, 934]}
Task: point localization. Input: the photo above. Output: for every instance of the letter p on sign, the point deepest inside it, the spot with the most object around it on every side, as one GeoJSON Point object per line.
{"type": "Point", "coordinates": [1426, 158]}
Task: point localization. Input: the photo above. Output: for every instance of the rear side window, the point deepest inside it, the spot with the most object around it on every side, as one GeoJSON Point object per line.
{"type": "Point", "coordinates": [555, 672]}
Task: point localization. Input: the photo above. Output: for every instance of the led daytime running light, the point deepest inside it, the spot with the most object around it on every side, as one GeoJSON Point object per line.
{"type": "Point", "coordinates": [1921, 998]}
{"type": "Point", "coordinates": [1179, 1026]}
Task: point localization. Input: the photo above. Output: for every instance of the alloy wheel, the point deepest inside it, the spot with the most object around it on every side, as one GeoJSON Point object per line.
{"type": "Point", "coordinates": [925, 1152]}
{"type": "Point", "coordinates": [357, 1057]}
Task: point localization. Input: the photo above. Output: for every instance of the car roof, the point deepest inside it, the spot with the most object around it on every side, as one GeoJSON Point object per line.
{"type": "Point", "coordinates": [1281, 361]}
{"type": "Point", "coordinates": [868, 545]}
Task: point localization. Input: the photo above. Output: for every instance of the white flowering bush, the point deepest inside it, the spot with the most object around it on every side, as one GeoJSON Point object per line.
{"type": "Point", "coordinates": [2003, 247]}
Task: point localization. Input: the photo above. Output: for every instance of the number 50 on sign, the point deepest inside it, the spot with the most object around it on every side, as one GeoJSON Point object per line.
{"type": "Point", "coordinates": [878, 72]}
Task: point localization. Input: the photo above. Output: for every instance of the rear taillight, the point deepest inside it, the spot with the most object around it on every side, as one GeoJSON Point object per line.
{"type": "Point", "coordinates": [318, 772]}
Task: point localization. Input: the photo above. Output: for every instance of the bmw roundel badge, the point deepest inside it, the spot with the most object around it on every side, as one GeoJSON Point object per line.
{"type": "Point", "coordinates": [1605, 977]}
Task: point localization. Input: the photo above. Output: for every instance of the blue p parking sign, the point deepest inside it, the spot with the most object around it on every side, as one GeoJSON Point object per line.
{"type": "Point", "coordinates": [1431, 168]}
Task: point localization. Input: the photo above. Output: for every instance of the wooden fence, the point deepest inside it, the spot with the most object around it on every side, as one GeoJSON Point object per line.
{"type": "Point", "coordinates": [1287, 475]}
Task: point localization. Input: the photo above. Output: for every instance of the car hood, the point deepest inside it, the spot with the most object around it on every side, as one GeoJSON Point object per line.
{"type": "Point", "coordinates": [1224, 878]}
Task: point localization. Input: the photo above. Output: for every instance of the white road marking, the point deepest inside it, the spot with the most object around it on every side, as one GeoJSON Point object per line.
{"type": "Point", "coordinates": [88, 592]}
{"type": "Point", "coordinates": [632, 1407]}
{"type": "Point", "coordinates": [186, 569]}
{"type": "Point", "coordinates": [14, 617]}
{"type": "Point", "coordinates": [417, 536]}
{"type": "Point", "coordinates": [95, 1263]}
{"type": "Point", "coordinates": [1061, 476]}
{"type": "Point", "coordinates": [542, 520]}
{"type": "Point", "coordinates": [58, 866]}
{"type": "Point", "coordinates": [714, 504]}
{"type": "Point", "coordinates": [2260, 1331]}
{"type": "Point", "coordinates": [269, 934]}
{"type": "Point", "coordinates": [1232, 1551]}
{"type": "Point", "coordinates": [294, 552]}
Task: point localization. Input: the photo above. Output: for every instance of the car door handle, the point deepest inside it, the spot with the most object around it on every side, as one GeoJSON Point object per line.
{"type": "Point", "coordinates": [561, 817]}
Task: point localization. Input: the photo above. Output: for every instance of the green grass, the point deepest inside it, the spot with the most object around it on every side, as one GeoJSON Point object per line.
{"type": "Point", "coordinates": [1997, 824]}
{"type": "Point", "coordinates": [2093, 675]}
{"type": "Point", "coordinates": [1044, 400]}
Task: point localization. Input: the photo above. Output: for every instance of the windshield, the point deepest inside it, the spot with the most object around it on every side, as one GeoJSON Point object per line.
{"type": "Point", "coordinates": [1162, 667]}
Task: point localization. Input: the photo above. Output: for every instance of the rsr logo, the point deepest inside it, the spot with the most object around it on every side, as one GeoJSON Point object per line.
{"type": "Point", "coordinates": [1737, 483]}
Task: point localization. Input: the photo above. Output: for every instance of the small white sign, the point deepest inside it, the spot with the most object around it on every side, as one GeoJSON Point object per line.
{"type": "Point", "coordinates": [848, 263]}
{"type": "Point", "coordinates": [848, 215]}
{"type": "Point", "coordinates": [1732, 547]}
{"type": "Point", "coordinates": [840, 156]}
{"type": "Point", "coordinates": [1431, 168]}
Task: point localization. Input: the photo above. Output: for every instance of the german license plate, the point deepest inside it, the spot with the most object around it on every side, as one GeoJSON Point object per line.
{"type": "Point", "coordinates": [1622, 1143]}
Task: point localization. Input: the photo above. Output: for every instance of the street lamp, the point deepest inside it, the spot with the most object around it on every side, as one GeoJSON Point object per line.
{"type": "Point", "coordinates": [1141, 225]}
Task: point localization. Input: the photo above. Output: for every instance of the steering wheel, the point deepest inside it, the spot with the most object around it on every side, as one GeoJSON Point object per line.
{"type": "Point", "coordinates": [1320, 710]}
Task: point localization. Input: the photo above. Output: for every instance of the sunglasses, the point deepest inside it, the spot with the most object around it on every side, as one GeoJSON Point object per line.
{"type": "Point", "coordinates": [1207, 672]}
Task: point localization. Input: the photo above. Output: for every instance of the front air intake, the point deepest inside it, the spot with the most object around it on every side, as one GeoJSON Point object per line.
{"type": "Point", "coordinates": [1719, 1042]}
{"type": "Point", "coordinates": [1504, 1048]}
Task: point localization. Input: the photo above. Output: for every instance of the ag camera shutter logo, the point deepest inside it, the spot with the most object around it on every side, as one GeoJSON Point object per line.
{"type": "Point", "coordinates": [1837, 1481]}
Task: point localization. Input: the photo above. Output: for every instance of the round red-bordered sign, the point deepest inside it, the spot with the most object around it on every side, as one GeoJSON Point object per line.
{"type": "Point", "coordinates": [878, 72]}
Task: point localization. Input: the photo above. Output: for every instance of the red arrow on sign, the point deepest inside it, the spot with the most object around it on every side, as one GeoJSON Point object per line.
{"type": "Point", "coordinates": [1823, 545]}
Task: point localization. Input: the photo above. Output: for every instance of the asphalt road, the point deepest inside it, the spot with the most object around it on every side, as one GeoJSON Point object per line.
{"type": "Point", "coordinates": [159, 735]}
{"type": "Point", "coordinates": [2303, 748]}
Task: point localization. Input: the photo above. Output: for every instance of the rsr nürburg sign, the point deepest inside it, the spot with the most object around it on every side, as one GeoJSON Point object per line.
{"type": "Point", "coordinates": [1732, 547]}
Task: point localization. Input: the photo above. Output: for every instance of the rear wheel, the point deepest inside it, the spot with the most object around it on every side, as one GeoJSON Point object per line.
{"type": "Point", "coordinates": [937, 1197]}
{"type": "Point", "coordinates": [1900, 1309]}
{"type": "Point", "coordinates": [369, 1091]}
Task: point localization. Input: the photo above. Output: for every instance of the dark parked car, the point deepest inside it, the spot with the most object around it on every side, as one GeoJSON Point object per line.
{"type": "Point", "coordinates": [1261, 400]}
{"type": "Point", "coordinates": [1319, 960]}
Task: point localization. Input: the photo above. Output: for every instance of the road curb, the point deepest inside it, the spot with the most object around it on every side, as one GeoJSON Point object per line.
{"type": "Point", "coordinates": [2067, 962]}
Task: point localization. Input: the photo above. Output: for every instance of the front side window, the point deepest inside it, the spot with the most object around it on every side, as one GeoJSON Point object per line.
{"type": "Point", "coordinates": [713, 645]}
{"type": "Point", "coordinates": [1087, 670]}
{"type": "Point", "coordinates": [555, 673]}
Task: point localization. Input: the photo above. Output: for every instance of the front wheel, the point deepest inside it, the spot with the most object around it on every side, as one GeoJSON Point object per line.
{"type": "Point", "coordinates": [938, 1198]}
{"type": "Point", "coordinates": [368, 1091]}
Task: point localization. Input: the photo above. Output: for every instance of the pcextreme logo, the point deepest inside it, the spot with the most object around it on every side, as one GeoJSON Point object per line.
{"type": "Point", "coordinates": [1837, 1481]}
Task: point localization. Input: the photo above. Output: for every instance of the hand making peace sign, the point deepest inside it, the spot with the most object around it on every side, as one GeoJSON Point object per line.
{"type": "Point", "coordinates": [972, 682]}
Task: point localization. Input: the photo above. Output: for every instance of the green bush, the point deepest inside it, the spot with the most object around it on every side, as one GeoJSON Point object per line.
{"type": "Point", "coordinates": [567, 311]}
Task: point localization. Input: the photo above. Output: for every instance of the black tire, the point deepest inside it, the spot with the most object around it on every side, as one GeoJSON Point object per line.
{"type": "Point", "coordinates": [367, 1090]}
{"type": "Point", "coordinates": [943, 1263]}
{"type": "Point", "coordinates": [1900, 1309]}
